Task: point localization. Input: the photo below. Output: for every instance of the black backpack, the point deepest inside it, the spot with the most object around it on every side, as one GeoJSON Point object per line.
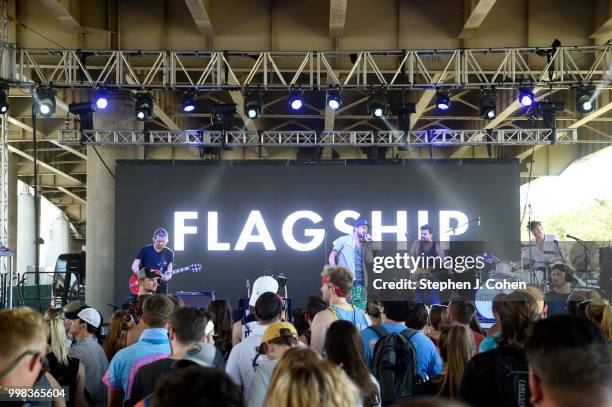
{"type": "Point", "coordinates": [512, 377]}
{"type": "Point", "coordinates": [394, 364]}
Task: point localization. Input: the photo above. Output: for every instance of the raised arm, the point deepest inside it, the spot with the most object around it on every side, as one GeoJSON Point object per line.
{"type": "Point", "coordinates": [333, 256]}
{"type": "Point", "coordinates": [136, 266]}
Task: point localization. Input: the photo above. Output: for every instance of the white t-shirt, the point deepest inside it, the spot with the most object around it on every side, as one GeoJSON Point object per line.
{"type": "Point", "coordinates": [240, 362]}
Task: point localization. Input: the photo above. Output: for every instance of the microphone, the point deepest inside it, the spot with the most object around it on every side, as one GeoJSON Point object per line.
{"type": "Point", "coordinates": [572, 237]}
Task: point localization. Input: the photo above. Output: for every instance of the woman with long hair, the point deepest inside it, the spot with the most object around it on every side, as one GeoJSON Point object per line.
{"type": "Point", "coordinates": [67, 371]}
{"type": "Point", "coordinates": [600, 312]}
{"type": "Point", "coordinates": [344, 347]}
{"type": "Point", "coordinates": [221, 313]}
{"type": "Point", "coordinates": [134, 325]}
{"type": "Point", "coordinates": [456, 346]}
{"type": "Point", "coordinates": [484, 382]}
{"type": "Point", "coordinates": [437, 315]}
{"type": "Point", "coordinates": [303, 379]}
{"type": "Point", "coordinates": [116, 337]}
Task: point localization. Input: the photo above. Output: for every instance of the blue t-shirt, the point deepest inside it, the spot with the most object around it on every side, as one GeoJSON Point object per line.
{"type": "Point", "coordinates": [152, 259]}
{"type": "Point", "coordinates": [489, 342]}
{"type": "Point", "coordinates": [152, 345]}
{"type": "Point", "coordinates": [428, 360]}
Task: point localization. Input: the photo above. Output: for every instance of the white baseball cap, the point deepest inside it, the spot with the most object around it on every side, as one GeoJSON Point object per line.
{"type": "Point", "coordinates": [91, 316]}
{"type": "Point", "coordinates": [264, 284]}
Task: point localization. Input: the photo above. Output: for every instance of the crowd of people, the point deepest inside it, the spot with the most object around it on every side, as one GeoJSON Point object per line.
{"type": "Point", "coordinates": [159, 352]}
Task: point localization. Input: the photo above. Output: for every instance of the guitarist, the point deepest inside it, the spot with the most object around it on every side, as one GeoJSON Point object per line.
{"type": "Point", "coordinates": [158, 257]}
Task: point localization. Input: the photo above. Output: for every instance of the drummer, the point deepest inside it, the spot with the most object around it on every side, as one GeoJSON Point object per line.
{"type": "Point", "coordinates": [544, 250]}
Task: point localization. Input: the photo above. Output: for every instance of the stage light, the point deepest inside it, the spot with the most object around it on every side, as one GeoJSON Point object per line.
{"type": "Point", "coordinates": [45, 101]}
{"type": "Point", "coordinates": [333, 99]}
{"type": "Point", "coordinates": [101, 100]}
{"type": "Point", "coordinates": [377, 104]}
{"type": "Point", "coordinates": [144, 106]}
{"type": "Point", "coordinates": [82, 107]}
{"type": "Point", "coordinates": [487, 105]}
{"type": "Point", "coordinates": [4, 105]}
{"type": "Point", "coordinates": [585, 99]}
{"type": "Point", "coordinates": [295, 100]}
{"type": "Point", "coordinates": [526, 97]}
{"type": "Point", "coordinates": [189, 101]}
{"type": "Point", "coordinates": [443, 101]}
{"type": "Point", "coordinates": [252, 105]}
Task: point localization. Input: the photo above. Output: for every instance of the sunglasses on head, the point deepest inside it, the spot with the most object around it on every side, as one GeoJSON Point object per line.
{"type": "Point", "coordinates": [29, 352]}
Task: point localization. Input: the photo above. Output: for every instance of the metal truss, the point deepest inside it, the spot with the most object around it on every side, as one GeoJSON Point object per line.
{"type": "Point", "coordinates": [191, 138]}
{"type": "Point", "coordinates": [502, 68]}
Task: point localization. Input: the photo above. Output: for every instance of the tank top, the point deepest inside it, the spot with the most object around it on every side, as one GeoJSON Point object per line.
{"type": "Point", "coordinates": [66, 376]}
{"type": "Point", "coordinates": [352, 314]}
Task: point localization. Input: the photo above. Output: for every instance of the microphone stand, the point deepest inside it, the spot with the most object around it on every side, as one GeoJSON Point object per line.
{"type": "Point", "coordinates": [531, 269]}
{"type": "Point", "coordinates": [560, 252]}
{"type": "Point", "coordinates": [585, 250]}
{"type": "Point", "coordinates": [469, 222]}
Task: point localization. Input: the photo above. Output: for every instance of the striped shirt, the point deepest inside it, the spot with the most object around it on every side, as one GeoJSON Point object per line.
{"type": "Point", "coordinates": [91, 354]}
{"type": "Point", "coordinates": [152, 345]}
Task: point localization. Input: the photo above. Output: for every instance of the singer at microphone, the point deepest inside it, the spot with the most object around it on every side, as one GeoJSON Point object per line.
{"type": "Point", "coordinates": [354, 252]}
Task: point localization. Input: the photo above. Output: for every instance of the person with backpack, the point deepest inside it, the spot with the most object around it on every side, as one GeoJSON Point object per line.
{"type": "Point", "coordinates": [336, 283]}
{"type": "Point", "coordinates": [398, 356]}
{"type": "Point", "coordinates": [500, 376]}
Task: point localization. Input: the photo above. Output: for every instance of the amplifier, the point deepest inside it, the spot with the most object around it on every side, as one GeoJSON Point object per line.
{"type": "Point", "coordinates": [198, 299]}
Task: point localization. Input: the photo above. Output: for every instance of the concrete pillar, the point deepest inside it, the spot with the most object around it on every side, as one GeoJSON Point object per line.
{"type": "Point", "coordinates": [25, 235]}
{"type": "Point", "coordinates": [100, 245]}
{"type": "Point", "coordinates": [12, 202]}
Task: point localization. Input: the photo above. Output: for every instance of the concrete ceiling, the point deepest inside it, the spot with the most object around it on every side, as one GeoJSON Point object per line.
{"type": "Point", "coordinates": [301, 25]}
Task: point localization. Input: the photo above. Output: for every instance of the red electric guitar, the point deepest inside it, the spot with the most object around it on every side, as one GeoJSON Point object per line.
{"type": "Point", "coordinates": [134, 279]}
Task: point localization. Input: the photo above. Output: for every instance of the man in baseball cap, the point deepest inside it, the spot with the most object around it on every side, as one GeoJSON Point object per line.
{"type": "Point", "coordinates": [263, 284]}
{"type": "Point", "coordinates": [148, 280]}
{"type": "Point", "coordinates": [354, 252]}
{"type": "Point", "coordinates": [276, 340]}
{"type": "Point", "coordinates": [85, 324]}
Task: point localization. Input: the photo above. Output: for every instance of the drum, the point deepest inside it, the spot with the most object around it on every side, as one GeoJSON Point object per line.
{"type": "Point", "coordinates": [483, 301]}
{"type": "Point", "coordinates": [505, 270]}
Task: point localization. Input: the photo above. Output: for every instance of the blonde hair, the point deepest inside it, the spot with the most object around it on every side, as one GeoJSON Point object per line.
{"type": "Point", "coordinates": [456, 348]}
{"type": "Point", "coordinates": [600, 311]}
{"type": "Point", "coordinates": [537, 296]}
{"type": "Point", "coordinates": [22, 329]}
{"type": "Point", "coordinates": [57, 335]}
{"type": "Point", "coordinates": [313, 383]}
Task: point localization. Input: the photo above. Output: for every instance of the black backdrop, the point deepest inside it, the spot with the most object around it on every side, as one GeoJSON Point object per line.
{"type": "Point", "coordinates": [148, 193]}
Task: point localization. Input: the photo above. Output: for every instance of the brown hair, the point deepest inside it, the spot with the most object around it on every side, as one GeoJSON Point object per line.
{"type": "Point", "coordinates": [456, 349]}
{"type": "Point", "coordinates": [156, 310]}
{"type": "Point", "coordinates": [517, 313]}
{"type": "Point", "coordinates": [462, 311]}
{"type": "Point", "coordinates": [437, 316]}
{"type": "Point", "coordinates": [115, 340]}
{"type": "Point", "coordinates": [22, 329]}
{"type": "Point", "coordinates": [343, 346]}
{"type": "Point", "coordinates": [188, 324]}
{"type": "Point", "coordinates": [340, 277]}
{"type": "Point", "coordinates": [534, 224]}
